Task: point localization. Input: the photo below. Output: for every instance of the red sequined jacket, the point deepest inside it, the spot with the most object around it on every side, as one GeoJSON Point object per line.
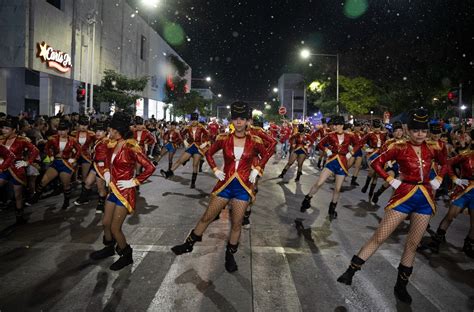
{"type": "Point", "coordinates": [197, 137]}
{"type": "Point", "coordinates": [7, 158]}
{"type": "Point", "coordinates": [86, 148]}
{"type": "Point", "coordinates": [267, 139]}
{"type": "Point", "coordinates": [301, 141]}
{"type": "Point", "coordinates": [339, 150]}
{"type": "Point", "coordinates": [144, 138]}
{"type": "Point", "coordinates": [465, 162]}
{"type": "Point", "coordinates": [122, 167]}
{"type": "Point", "coordinates": [72, 150]}
{"type": "Point", "coordinates": [101, 153]}
{"type": "Point", "coordinates": [173, 137]}
{"type": "Point", "coordinates": [254, 156]}
{"type": "Point", "coordinates": [375, 140]}
{"type": "Point", "coordinates": [19, 146]}
{"type": "Point", "coordinates": [414, 170]}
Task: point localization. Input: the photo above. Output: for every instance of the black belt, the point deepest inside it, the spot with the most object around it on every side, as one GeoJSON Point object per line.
{"type": "Point", "coordinates": [414, 183]}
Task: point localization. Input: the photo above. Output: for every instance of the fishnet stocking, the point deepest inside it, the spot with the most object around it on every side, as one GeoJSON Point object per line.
{"type": "Point", "coordinates": [237, 215]}
{"type": "Point", "coordinates": [216, 205]}
{"type": "Point", "coordinates": [418, 225]}
{"type": "Point", "coordinates": [389, 223]}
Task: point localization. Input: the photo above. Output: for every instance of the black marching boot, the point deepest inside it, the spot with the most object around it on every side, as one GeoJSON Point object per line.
{"type": "Point", "coordinates": [372, 190]}
{"type": "Point", "coordinates": [306, 204]}
{"type": "Point", "coordinates": [375, 197]}
{"type": "Point", "coordinates": [84, 197]}
{"type": "Point", "coordinates": [230, 264]}
{"type": "Point", "coordinates": [201, 163]}
{"type": "Point", "coordinates": [298, 175]}
{"type": "Point", "coordinates": [67, 196]}
{"type": "Point", "coordinates": [282, 174]}
{"type": "Point", "coordinates": [20, 216]}
{"type": "Point", "coordinates": [400, 288]}
{"type": "Point", "coordinates": [366, 185]}
{"type": "Point", "coordinates": [346, 277]}
{"type": "Point", "coordinates": [39, 190]}
{"type": "Point", "coordinates": [170, 164]}
{"type": "Point", "coordinates": [193, 180]}
{"type": "Point", "coordinates": [107, 251]}
{"type": "Point", "coordinates": [125, 258]}
{"type": "Point", "coordinates": [167, 174]}
{"type": "Point", "coordinates": [246, 220]}
{"type": "Point", "coordinates": [100, 205]}
{"type": "Point", "coordinates": [188, 244]}
{"type": "Point", "coordinates": [354, 181]}
{"type": "Point", "coordinates": [437, 238]}
{"type": "Point", "coordinates": [319, 163]}
{"type": "Point", "coordinates": [468, 247]}
{"type": "Point", "coordinates": [332, 211]}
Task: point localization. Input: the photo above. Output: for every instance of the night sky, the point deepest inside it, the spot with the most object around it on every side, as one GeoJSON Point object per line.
{"type": "Point", "coordinates": [246, 45]}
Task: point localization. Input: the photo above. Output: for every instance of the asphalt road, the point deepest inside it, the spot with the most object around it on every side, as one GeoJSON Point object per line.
{"type": "Point", "coordinates": [44, 265]}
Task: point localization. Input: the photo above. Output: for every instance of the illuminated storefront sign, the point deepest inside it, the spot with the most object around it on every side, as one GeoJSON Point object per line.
{"type": "Point", "coordinates": [54, 58]}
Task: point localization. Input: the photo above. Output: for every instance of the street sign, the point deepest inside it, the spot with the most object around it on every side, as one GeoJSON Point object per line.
{"type": "Point", "coordinates": [282, 110]}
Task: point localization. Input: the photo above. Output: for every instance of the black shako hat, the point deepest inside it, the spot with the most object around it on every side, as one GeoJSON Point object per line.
{"type": "Point", "coordinates": [84, 120]}
{"type": "Point", "coordinates": [239, 109]}
{"type": "Point", "coordinates": [301, 128]}
{"type": "Point", "coordinates": [138, 120]}
{"type": "Point", "coordinates": [100, 126]}
{"type": "Point", "coordinates": [63, 125]}
{"type": "Point", "coordinates": [120, 122]}
{"type": "Point", "coordinates": [11, 122]}
{"type": "Point", "coordinates": [418, 119]}
{"type": "Point", "coordinates": [337, 120]}
{"type": "Point", "coordinates": [376, 123]}
{"type": "Point", "coordinates": [194, 116]}
{"type": "Point", "coordinates": [397, 125]}
{"type": "Point", "coordinates": [435, 128]}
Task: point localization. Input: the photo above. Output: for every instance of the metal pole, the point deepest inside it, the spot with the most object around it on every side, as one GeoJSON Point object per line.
{"type": "Point", "coordinates": [304, 102]}
{"type": "Point", "coordinates": [91, 98]}
{"type": "Point", "coordinates": [292, 104]}
{"type": "Point", "coordinates": [337, 84]}
{"type": "Point", "coordinates": [86, 78]}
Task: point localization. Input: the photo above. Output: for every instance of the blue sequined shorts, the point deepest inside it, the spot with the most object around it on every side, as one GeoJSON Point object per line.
{"type": "Point", "coordinates": [417, 203]}
{"type": "Point", "coordinates": [465, 201]}
{"type": "Point", "coordinates": [235, 190]}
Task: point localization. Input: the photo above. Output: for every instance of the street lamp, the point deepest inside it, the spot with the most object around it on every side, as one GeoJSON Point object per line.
{"type": "Point", "coordinates": [219, 95]}
{"type": "Point", "coordinates": [207, 79]}
{"type": "Point", "coordinates": [371, 115]}
{"type": "Point", "coordinates": [151, 3]}
{"type": "Point", "coordinates": [306, 53]}
{"type": "Point", "coordinates": [275, 90]}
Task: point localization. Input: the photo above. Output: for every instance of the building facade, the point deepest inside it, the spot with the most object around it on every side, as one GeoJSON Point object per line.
{"type": "Point", "coordinates": [291, 94]}
{"type": "Point", "coordinates": [51, 47]}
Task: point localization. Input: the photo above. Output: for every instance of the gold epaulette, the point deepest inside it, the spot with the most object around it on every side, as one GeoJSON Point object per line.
{"type": "Point", "coordinates": [257, 139]}
{"type": "Point", "coordinates": [433, 144]}
{"type": "Point", "coordinates": [222, 136]}
{"type": "Point", "coordinates": [132, 143]}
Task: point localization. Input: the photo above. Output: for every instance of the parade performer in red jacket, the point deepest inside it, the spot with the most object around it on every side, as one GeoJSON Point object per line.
{"type": "Point", "coordinates": [413, 198]}
{"type": "Point", "coordinates": [86, 139]}
{"type": "Point", "coordinates": [336, 146]}
{"type": "Point", "coordinates": [124, 155]}
{"type": "Point", "coordinates": [462, 198]}
{"type": "Point", "coordinates": [66, 151]}
{"type": "Point", "coordinates": [196, 141]}
{"type": "Point", "coordinates": [300, 143]}
{"type": "Point", "coordinates": [245, 157]}
{"type": "Point", "coordinates": [99, 169]}
{"type": "Point", "coordinates": [171, 141]}
{"type": "Point", "coordinates": [16, 172]}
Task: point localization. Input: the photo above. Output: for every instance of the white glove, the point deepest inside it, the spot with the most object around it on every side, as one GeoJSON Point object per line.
{"type": "Point", "coordinates": [435, 184]}
{"type": "Point", "coordinates": [219, 174]}
{"type": "Point", "coordinates": [71, 160]}
{"type": "Point", "coordinates": [186, 144]}
{"type": "Point", "coordinates": [107, 178]}
{"type": "Point", "coordinates": [203, 145]}
{"type": "Point", "coordinates": [20, 164]}
{"type": "Point", "coordinates": [328, 153]}
{"type": "Point", "coordinates": [253, 176]}
{"type": "Point", "coordinates": [101, 164]}
{"type": "Point", "coordinates": [461, 182]}
{"type": "Point", "coordinates": [348, 155]}
{"type": "Point", "coordinates": [125, 184]}
{"type": "Point", "coordinates": [395, 183]}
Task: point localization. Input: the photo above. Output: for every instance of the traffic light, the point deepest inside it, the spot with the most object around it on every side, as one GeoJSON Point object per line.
{"type": "Point", "coordinates": [453, 95]}
{"type": "Point", "coordinates": [81, 94]}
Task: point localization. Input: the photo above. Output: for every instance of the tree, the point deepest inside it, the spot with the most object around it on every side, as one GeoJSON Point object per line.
{"type": "Point", "coordinates": [358, 95]}
{"type": "Point", "coordinates": [119, 89]}
{"type": "Point", "coordinates": [191, 102]}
